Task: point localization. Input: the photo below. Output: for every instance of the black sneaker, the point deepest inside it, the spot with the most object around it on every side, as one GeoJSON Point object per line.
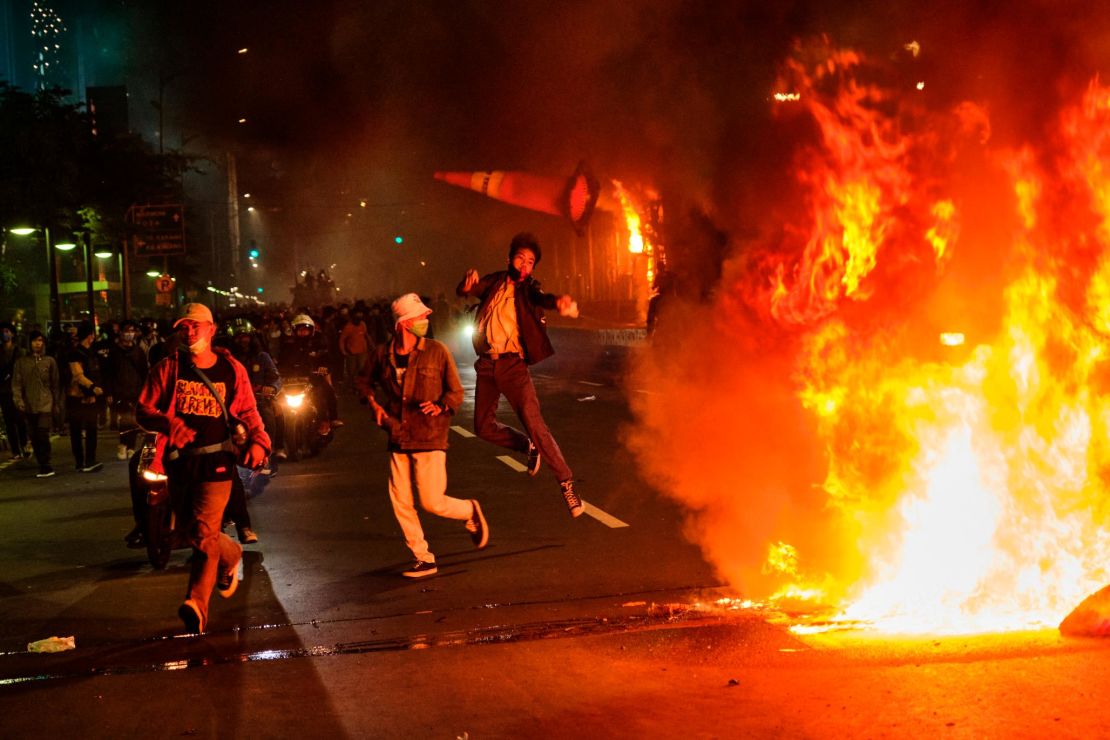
{"type": "Point", "coordinates": [246, 535]}
{"type": "Point", "coordinates": [228, 581]}
{"type": "Point", "coordinates": [190, 617]}
{"type": "Point", "coordinates": [420, 569]}
{"type": "Point", "coordinates": [95, 467]}
{"type": "Point", "coordinates": [534, 459]}
{"type": "Point", "coordinates": [135, 538]}
{"type": "Point", "coordinates": [476, 525]}
{"type": "Point", "coordinates": [573, 502]}
{"type": "Point", "coordinates": [45, 473]}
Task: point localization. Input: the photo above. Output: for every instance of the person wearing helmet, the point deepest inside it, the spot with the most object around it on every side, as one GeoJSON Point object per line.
{"type": "Point", "coordinates": [125, 369]}
{"type": "Point", "coordinates": [305, 354]}
{"type": "Point", "coordinates": [265, 382]}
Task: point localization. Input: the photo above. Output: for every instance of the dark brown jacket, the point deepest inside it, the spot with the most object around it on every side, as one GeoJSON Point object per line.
{"type": "Point", "coordinates": [530, 302]}
{"type": "Point", "coordinates": [431, 375]}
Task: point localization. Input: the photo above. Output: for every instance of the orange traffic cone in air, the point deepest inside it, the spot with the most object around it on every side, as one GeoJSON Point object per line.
{"type": "Point", "coordinates": [573, 198]}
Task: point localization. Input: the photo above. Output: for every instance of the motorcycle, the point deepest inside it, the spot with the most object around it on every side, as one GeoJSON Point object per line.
{"type": "Point", "coordinates": [162, 537]}
{"type": "Point", "coordinates": [301, 419]}
{"type": "Point", "coordinates": [163, 514]}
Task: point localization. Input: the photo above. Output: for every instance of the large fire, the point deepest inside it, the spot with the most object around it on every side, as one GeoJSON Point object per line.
{"type": "Point", "coordinates": [966, 468]}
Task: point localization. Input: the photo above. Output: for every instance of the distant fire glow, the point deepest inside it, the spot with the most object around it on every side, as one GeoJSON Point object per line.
{"type": "Point", "coordinates": [787, 97]}
{"type": "Point", "coordinates": [636, 242]}
{"type": "Point", "coordinates": [951, 338]}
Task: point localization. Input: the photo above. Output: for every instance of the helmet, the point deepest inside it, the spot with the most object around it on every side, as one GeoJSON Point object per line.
{"type": "Point", "coordinates": [304, 320]}
{"type": "Point", "coordinates": [238, 326]}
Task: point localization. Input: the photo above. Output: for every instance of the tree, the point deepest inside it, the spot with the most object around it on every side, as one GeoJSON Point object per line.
{"type": "Point", "coordinates": [55, 172]}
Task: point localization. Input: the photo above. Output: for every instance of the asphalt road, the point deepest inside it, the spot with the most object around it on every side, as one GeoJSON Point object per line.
{"type": "Point", "coordinates": [604, 626]}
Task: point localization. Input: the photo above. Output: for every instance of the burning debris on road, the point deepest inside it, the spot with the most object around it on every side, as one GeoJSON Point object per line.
{"type": "Point", "coordinates": [832, 451]}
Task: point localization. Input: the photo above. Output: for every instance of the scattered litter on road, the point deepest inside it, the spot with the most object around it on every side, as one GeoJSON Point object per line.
{"type": "Point", "coordinates": [52, 645]}
{"type": "Point", "coordinates": [733, 682]}
{"type": "Point", "coordinates": [588, 398]}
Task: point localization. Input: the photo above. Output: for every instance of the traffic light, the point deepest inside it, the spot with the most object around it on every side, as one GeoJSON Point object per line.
{"type": "Point", "coordinates": [260, 289]}
{"type": "Point", "coordinates": [399, 239]}
{"type": "Point", "coordinates": [254, 253]}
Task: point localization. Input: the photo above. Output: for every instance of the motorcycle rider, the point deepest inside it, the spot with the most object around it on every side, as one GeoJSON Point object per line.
{"type": "Point", "coordinates": [125, 372]}
{"type": "Point", "coordinates": [305, 354]}
{"type": "Point", "coordinates": [246, 347]}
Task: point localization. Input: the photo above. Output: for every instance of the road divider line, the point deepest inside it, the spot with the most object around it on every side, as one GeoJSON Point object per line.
{"type": "Point", "coordinates": [518, 467]}
{"type": "Point", "coordinates": [595, 385]}
{"type": "Point", "coordinates": [605, 518]}
{"type": "Point", "coordinates": [462, 431]}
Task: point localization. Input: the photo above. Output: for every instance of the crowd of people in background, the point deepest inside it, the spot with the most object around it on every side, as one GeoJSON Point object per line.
{"type": "Point", "coordinates": [82, 378]}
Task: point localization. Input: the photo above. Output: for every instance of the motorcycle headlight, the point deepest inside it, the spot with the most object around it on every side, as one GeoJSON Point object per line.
{"type": "Point", "coordinates": [294, 400]}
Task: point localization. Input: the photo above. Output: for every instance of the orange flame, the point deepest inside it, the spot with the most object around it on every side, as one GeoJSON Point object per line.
{"type": "Point", "coordinates": [637, 242]}
{"type": "Point", "coordinates": [978, 489]}
{"type": "Point", "coordinates": [859, 180]}
{"type": "Point", "coordinates": [964, 482]}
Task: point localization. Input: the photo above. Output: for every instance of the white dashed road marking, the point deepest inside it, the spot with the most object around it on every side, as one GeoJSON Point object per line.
{"type": "Point", "coordinates": [607, 519]}
{"type": "Point", "coordinates": [462, 431]}
{"type": "Point", "coordinates": [595, 385]}
{"type": "Point", "coordinates": [587, 508]}
{"type": "Point", "coordinates": [518, 467]}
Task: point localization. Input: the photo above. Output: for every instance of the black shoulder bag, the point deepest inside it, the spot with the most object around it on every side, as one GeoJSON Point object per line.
{"type": "Point", "coordinates": [235, 428]}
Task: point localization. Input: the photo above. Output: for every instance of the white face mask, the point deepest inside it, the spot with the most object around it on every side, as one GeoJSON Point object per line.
{"type": "Point", "coordinates": [199, 346]}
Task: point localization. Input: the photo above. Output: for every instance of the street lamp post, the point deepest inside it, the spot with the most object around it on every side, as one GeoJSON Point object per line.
{"type": "Point", "coordinates": [125, 280]}
{"type": "Point", "coordinates": [87, 238]}
{"type": "Point", "coordinates": [51, 258]}
{"type": "Point", "coordinates": [55, 301]}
